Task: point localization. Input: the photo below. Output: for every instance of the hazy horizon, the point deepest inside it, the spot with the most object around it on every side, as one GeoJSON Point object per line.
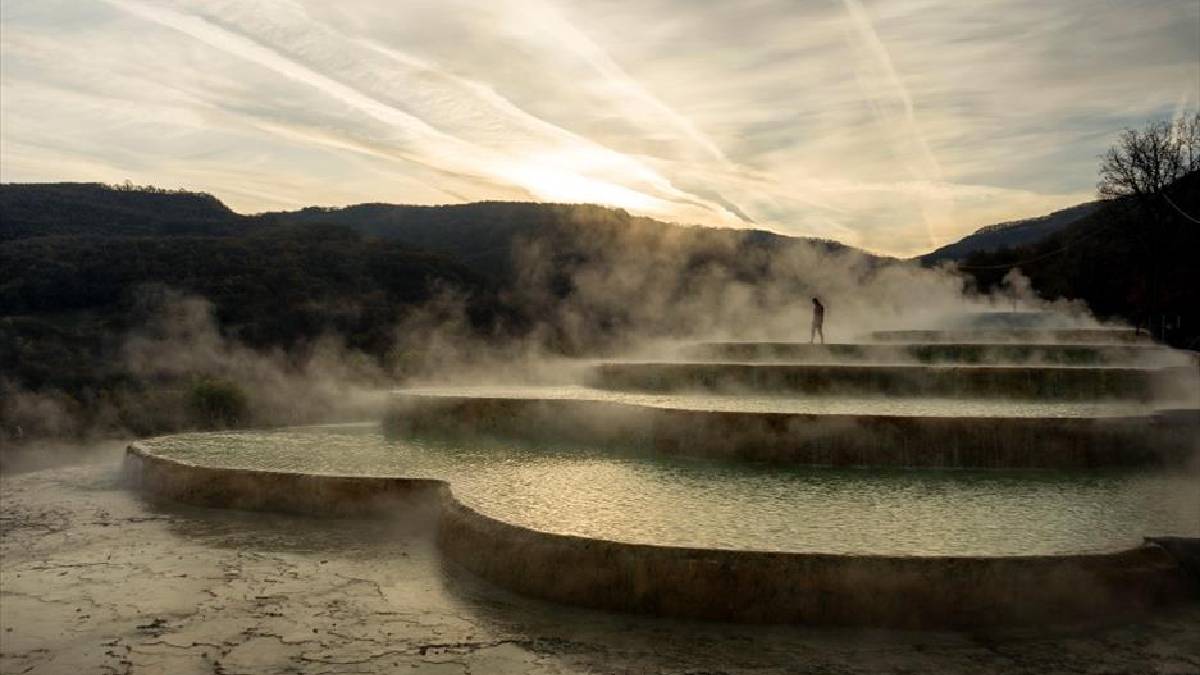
{"type": "Point", "coordinates": [893, 127]}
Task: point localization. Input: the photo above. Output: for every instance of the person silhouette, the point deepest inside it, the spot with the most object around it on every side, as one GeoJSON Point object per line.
{"type": "Point", "coordinates": [818, 322]}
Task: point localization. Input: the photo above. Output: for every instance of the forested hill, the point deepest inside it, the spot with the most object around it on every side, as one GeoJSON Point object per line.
{"type": "Point", "coordinates": [81, 246]}
{"type": "Point", "coordinates": [1134, 261]}
{"type": "Point", "coordinates": [1010, 234]}
{"type": "Point", "coordinates": [45, 209]}
{"type": "Point", "coordinates": [81, 263]}
{"type": "Point", "coordinates": [482, 235]}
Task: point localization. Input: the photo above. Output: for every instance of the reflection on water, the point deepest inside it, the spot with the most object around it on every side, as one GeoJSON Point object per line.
{"type": "Point", "coordinates": [713, 504]}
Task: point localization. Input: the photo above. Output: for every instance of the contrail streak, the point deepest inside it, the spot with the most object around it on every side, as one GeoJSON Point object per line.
{"type": "Point", "coordinates": [545, 173]}
{"type": "Point", "coordinates": [926, 165]}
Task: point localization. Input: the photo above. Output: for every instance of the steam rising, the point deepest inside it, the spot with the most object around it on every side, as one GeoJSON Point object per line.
{"type": "Point", "coordinates": [587, 291]}
{"type": "Point", "coordinates": [319, 381]}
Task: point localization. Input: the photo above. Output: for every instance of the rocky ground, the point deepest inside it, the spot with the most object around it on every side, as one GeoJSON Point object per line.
{"type": "Point", "coordinates": [96, 579]}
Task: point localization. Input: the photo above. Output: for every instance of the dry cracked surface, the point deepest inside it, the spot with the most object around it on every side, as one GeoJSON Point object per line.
{"type": "Point", "coordinates": [97, 579]}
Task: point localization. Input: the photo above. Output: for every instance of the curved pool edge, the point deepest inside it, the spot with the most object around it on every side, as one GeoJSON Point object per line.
{"type": "Point", "coordinates": [309, 494]}
{"type": "Point", "coordinates": [960, 592]}
{"type": "Point", "coordinates": [814, 439]}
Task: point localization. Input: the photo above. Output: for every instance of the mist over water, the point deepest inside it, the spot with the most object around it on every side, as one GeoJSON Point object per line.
{"type": "Point", "coordinates": [591, 290]}
{"type": "Point", "coordinates": [591, 287]}
{"type": "Point", "coordinates": [373, 336]}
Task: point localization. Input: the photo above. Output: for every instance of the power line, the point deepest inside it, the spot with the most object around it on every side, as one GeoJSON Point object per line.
{"type": "Point", "coordinates": [1181, 211]}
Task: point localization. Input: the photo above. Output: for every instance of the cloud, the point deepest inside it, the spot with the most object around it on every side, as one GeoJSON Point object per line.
{"type": "Point", "coordinates": [892, 126]}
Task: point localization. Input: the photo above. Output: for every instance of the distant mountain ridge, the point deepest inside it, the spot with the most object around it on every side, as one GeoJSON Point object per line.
{"type": "Point", "coordinates": [479, 235]}
{"type": "Point", "coordinates": [51, 209]}
{"type": "Point", "coordinates": [482, 234]}
{"type": "Point", "coordinates": [283, 278]}
{"type": "Point", "coordinates": [1010, 234]}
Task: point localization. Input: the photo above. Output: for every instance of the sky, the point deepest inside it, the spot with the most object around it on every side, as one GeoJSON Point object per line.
{"type": "Point", "coordinates": [895, 126]}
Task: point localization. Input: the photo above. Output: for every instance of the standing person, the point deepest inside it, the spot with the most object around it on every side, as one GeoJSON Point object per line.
{"type": "Point", "coordinates": [818, 322]}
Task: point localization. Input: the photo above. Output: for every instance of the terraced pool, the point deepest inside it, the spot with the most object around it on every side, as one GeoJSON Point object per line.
{"type": "Point", "coordinates": [827, 405]}
{"type": "Point", "coordinates": [582, 491]}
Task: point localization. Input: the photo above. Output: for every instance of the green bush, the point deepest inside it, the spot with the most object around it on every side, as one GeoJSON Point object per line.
{"type": "Point", "coordinates": [217, 403]}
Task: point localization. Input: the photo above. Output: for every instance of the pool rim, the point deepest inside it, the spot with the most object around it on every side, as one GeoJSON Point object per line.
{"type": "Point", "coordinates": [703, 583]}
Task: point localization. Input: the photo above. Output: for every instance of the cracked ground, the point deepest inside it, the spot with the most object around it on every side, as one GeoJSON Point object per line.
{"type": "Point", "coordinates": [95, 578]}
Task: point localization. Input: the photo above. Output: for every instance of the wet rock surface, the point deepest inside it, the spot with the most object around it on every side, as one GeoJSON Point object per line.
{"type": "Point", "coordinates": [95, 578]}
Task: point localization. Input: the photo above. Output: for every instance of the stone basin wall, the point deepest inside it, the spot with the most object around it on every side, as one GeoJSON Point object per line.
{"type": "Point", "coordinates": [776, 587]}
{"type": "Point", "coordinates": [279, 491]}
{"type": "Point", "coordinates": [960, 353]}
{"type": "Point", "coordinates": [744, 586]}
{"type": "Point", "coordinates": [1057, 383]}
{"type": "Point", "coordinates": [824, 440]}
{"type": "Point", "coordinates": [1028, 335]}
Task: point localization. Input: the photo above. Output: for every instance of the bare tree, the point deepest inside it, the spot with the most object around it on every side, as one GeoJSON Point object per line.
{"type": "Point", "coordinates": [1143, 163]}
{"type": "Point", "coordinates": [1139, 170]}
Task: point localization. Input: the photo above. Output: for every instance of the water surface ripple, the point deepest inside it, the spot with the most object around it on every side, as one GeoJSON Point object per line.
{"type": "Point", "coordinates": [679, 502]}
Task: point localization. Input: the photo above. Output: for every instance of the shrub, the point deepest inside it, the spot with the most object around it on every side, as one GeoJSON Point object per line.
{"type": "Point", "coordinates": [217, 403]}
